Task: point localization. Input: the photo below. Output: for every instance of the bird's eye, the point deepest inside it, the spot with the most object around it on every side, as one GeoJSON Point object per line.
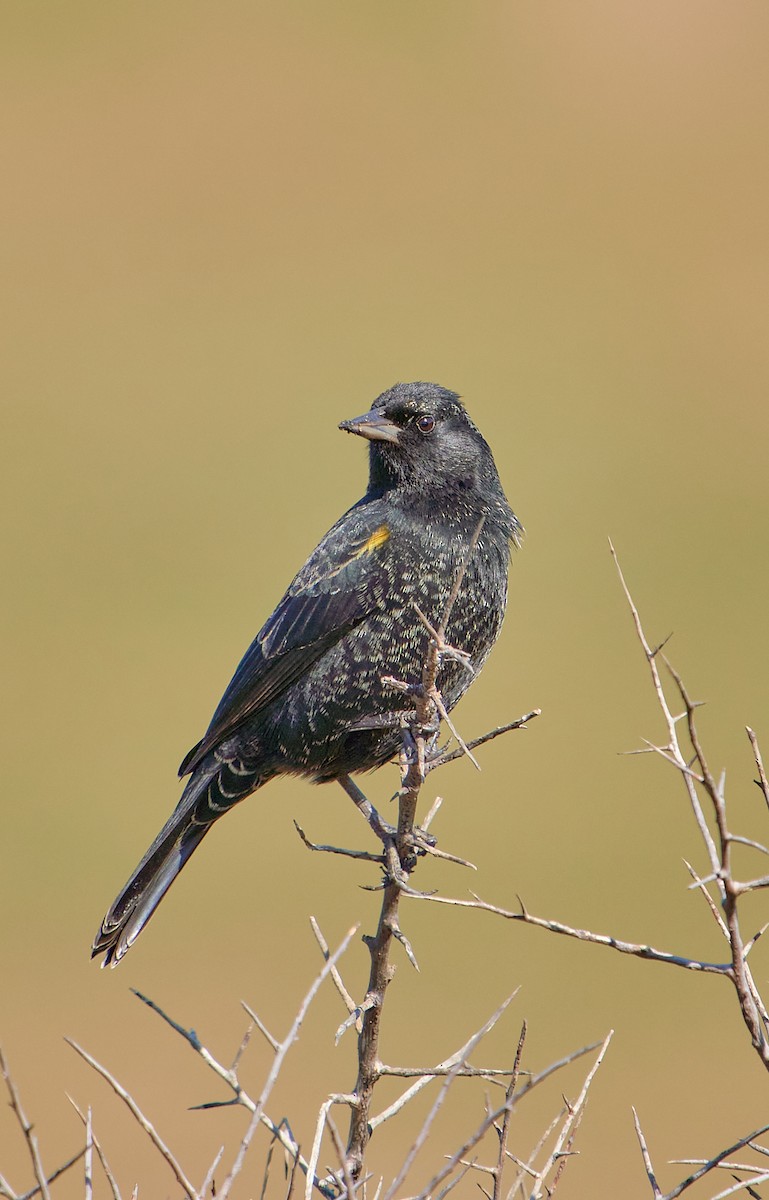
{"type": "Point", "coordinates": [425, 423]}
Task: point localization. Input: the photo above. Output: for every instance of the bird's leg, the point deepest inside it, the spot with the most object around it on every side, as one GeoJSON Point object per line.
{"type": "Point", "coordinates": [383, 829]}
{"type": "Point", "coordinates": [399, 845]}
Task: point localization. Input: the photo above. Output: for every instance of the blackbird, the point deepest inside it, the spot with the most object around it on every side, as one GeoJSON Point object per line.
{"type": "Point", "coordinates": [308, 697]}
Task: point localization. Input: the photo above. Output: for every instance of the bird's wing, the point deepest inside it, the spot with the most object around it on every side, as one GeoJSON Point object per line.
{"type": "Point", "coordinates": [342, 582]}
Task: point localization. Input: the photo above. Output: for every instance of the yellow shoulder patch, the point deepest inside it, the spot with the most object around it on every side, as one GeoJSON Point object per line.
{"type": "Point", "coordinates": [377, 538]}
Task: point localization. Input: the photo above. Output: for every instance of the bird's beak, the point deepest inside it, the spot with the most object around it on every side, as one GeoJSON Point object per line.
{"type": "Point", "coordinates": [374, 426]}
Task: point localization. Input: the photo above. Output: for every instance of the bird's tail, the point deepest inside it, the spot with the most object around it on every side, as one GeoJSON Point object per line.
{"type": "Point", "coordinates": [213, 789]}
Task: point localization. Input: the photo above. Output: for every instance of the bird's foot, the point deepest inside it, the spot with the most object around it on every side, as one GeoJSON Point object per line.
{"type": "Point", "coordinates": [412, 845]}
{"type": "Point", "coordinates": [396, 873]}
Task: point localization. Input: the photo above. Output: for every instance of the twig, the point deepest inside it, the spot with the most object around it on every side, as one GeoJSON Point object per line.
{"type": "Point", "coordinates": [708, 1166]}
{"type": "Point", "coordinates": [670, 721]}
{"type": "Point", "coordinates": [280, 1055]}
{"type": "Point", "coordinates": [762, 780]}
{"type": "Point", "coordinates": [88, 1161]}
{"type": "Point", "coordinates": [280, 1131]}
{"type": "Point", "coordinates": [573, 1117]}
{"type": "Point", "coordinates": [526, 1168]}
{"type": "Point", "coordinates": [655, 1187]}
{"type": "Point", "coordinates": [435, 852]}
{"type": "Point", "coordinates": [344, 1171]}
{"type": "Point", "coordinates": [187, 1187]}
{"type": "Point", "coordinates": [320, 1126]}
{"type": "Point", "coordinates": [725, 1165]}
{"type": "Point", "coordinates": [585, 935]}
{"type": "Point", "coordinates": [744, 1185]}
{"type": "Point", "coordinates": [271, 1041]}
{"type": "Point", "coordinates": [243, 1046]}
{"type": "Point", "coordinates": [102, 1157]}
{"type": "Point", "coordinates": [505, 1128]}
{"type": "Point", "coordinates": [364, 855]}
{"type": "Point", "coordinates": [520, 723]}
{"type": "Point", "coordinates": [336, 977]}
{"type": "Point", "coordinates": [211, 1172]}
{"type": "Point", "coordinates": [450, 1068]}
{"type": "Point", "coordinates": [26, 1129]}
{"type": "Point", "coordinates": [457, 1158]}
{"type": "Point", "coordinates": [463, 746]}
{"type": "Point", "coordinates": [427, 1078]}
{"type": "Point", "coordinates": [468, 1166]}
{"type": "Point", "coordinates": [751, 1006]}
{"type": "Point", "coordinates": [380, 975]}
{"type": "Point", "coordinates": [7, 1191]}
{"type": "Point", "coordinates": [292, 1178]}
{"type": "Point", "coordinates": [427, 1125]}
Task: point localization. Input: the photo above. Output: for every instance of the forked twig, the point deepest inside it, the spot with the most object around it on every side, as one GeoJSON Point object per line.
{"type": "Point", "coordinates": [102, 1157]}
{"type": "Point", "coordinates": [26, 1128]}
{"type": "Point", "coordinates": [706, 1167]}
{"type": "Point", "coordinates": [442, 1094]}
{"type": "Point", "coordinates": [165, 1153]}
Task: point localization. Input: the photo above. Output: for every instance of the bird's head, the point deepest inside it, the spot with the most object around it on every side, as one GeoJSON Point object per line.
{"type": "Point", "coordinates": [422, 441]}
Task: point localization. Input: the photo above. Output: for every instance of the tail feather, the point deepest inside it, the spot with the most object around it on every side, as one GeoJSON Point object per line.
{"type": "Point", "coordinates": [214, 788]}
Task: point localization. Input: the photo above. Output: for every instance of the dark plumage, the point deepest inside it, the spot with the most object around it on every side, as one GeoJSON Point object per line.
{"type": "Point", "coordinates": [307, 695]}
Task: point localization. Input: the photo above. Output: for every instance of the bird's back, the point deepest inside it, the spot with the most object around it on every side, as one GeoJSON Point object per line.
{"type": "Point", "coordinates": [331, 720]}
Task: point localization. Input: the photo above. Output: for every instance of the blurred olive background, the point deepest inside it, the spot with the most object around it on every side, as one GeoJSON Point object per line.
{"type": "Point", "coordinates": [224, 229]}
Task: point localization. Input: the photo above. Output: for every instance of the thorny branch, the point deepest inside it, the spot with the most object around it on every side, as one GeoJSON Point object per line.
{"type": "Point", "coordinates": [43, 1181]}
{"type": "Point", "coordinates": [240, 1097]}
{"type": "Point", "coordinates": [554, 1160]}
{"type": "Point", "coordinates": [758, 1175]}
{"type": "Point", "coordinates": [696, 774]}
{"type": "Point", "coordinates": [706, 795]}
{"type": "Point", "coordinates": [401, 847]}
{"type": "Point", "coordinates": [429, 709]}
{"type": "Point", "coordinates": [163, 1150]}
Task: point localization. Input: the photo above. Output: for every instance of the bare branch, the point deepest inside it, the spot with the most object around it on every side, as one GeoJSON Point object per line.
{"type": "Point", "coordinates": [752, 1008]}
{"type": "Point", "coordinates": [422, 1135]}
{"type": "Point", "coordinates": [363, 855]}
{"type": "Point", "coordinates": [35, 1191]}
{"type": "Point", "coordinates": [573, 1117]}
{"type": "Point", "coordinates": [6, 1190]}
{"type": "Point", "coordinates": [207, 1182]}
{"type": "Point", "coordinates": [670, 720]}
{"type": "Point", "coordinates": [271, 1041]}
{"type": "Point", "coordinates": [186, 1186]}
{"type": "Point", "coordinates": [280, 1055]}
{"type": "Point", "coordinates": [88, 1160]}
{"type": "Point", "coordinates": [520, 723]}
{"type": "Point", "coordinates": [745, 1185]}
{"type": "Point", "coordinates": [762, 780]}
{"type": "Point", "coordinates": [336, 977]}
{"type": "Point", "coordinates": [505, 1129]}
{"type": "Point", "coordinates": [709, 1165]}
{"type": "Point", "coordinates": [656, 1192]}
{"type": "Point", "coordinates": [26, 1129]}
{"type": "Point", "coordinates": [346, 1178]}
{"type": "Point", "coordinates": [102, 1158]}
{"type": "Point", "coordinates": [585, 935]}
{"type": "Point", "coordinates": [320, 1126]}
